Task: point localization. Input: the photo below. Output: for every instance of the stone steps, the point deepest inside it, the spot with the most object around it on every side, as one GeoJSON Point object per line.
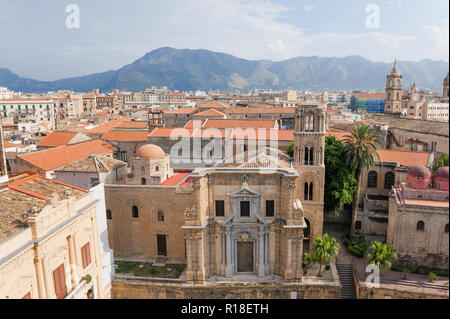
{"type": "Point", "coordinates": [346, 279]}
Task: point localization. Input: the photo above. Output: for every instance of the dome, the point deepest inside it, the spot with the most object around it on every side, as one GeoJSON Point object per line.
{"type": "Point", "coordinates": [150, 151]}
{"type": "Point", "coordinates": [440, 179]}
{"type": "Point", "coordinates": [418, 177]}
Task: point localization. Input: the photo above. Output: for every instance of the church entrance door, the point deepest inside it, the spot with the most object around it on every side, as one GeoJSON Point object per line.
{"type": "Point", "coordinates": [245, 256]}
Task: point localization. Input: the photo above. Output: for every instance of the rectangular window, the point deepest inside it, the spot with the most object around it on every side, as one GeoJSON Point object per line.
{"type": "Point", "coordinates": [94, 181]}
{"type": "Point", "coordinates": [220, 208]}
{"type": "Point", "coordinates": [162, 247]}
{"type": "Point", "coordinates": [86, 255]}
{"type": "Point", "coordinates": [270, 208]}
{"type": "Point", "coordinates": [245, 209]}
{"type": "Point", "coordinates": [59, 278]}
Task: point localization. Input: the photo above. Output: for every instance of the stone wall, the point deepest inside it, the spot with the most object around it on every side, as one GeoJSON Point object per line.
{"type": "Point", "coordinates": [385, 293]}
{"type": "Point", "coordinates": [150, 290]}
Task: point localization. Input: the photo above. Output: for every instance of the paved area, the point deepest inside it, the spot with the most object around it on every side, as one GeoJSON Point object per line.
{"type": "Point", "coordinates": [337, 231]}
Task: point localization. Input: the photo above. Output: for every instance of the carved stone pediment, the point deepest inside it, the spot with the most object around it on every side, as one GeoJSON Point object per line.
{"type": "Point", "coordinates": [190, 214]}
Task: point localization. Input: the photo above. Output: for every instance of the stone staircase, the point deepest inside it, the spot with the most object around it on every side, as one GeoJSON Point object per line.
{"type": "Point", "coordinates": [346, 278]}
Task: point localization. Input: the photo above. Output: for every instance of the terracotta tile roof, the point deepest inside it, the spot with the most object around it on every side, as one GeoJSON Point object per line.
{"type": "Point", "coordinates": [195, 124]}
{"type": "Point", "coordinates": [185, 110]}
{"type": "Point", "coordinates": [168, 131]}
{"type": "Point", "coordinates": [404, 158]}
{"type": "Point", "coordinates": [175, 180]}
{"type": "Point", "coordinates": [60, 156]}
{"type": "Point", "coordinates": [243, 124]}
{"type": "Point", "coordinates": [370, 95]}
{"type": "Point", "coordinates": [106, 126]}
{"type": "Point", "coordinates": [265, 134]}
{"type": "Point", "coordinates": [261, 110]}
{"type": "Point", "coordinates": [7, 144]}
{"type": "Point", "coordinates": [132, 124]}
{"type": "Point", "coordinates": [126, 135]}
{"type": "Point", "coordinates": [213, 105]}
{"type": "Point", "coordinates": [93, 164]}
{"type": "Point", "coordinates": [25, 192]}
{"type": "Point", "coordinates": [340, 135]}
{"type": "Point", "coordinates": [210, 113]}
{"type": "Point", "coordinates": [57, 138]}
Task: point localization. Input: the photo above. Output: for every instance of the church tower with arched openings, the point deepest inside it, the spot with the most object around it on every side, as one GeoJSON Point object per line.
{"type": "Point", "coordinates": [309, 161]}
{"type": "Point", "coordinates": [394, 92]}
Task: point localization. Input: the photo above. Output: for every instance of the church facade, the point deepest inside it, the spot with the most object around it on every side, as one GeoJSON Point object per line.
{"type": "Point", "coordinates": [248, 218]}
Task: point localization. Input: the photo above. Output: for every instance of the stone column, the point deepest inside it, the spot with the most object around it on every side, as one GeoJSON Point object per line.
{"type": "Point", "coordinates": [73, 263]}
{"type": "Point", "coordinates": [48, 279]}
{"type": "Point", "coordinates": [40, 277]}
{"type": "Point", "coordinates": [189, 261]}
{"type": "Point", "coordinates": [229, 265]}
{"type": "Point", "coordinates": [261, 268]}
{"type": "Point", "coordinates": [200, 271]}
{"type": "Point", "coordinates": [288, 262]}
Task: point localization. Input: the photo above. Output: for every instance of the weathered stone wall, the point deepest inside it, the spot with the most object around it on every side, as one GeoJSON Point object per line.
{"type": "Point", "coordinates": [384, 293]}
{"type": "Point", "coordinates": [150, 290]}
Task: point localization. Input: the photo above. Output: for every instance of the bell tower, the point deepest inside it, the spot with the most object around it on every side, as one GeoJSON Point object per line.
{"type": "Point", "coordinates": [309, 161]}
{"type": "Point", "coordinates": [445, 91]}
{"type": "Point", "coordinates": [394, 91]}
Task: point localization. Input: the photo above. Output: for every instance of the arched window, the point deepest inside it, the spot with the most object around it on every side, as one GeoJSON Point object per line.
{"type": "Point", "coordinates": [311, 156]}
{"type": "Point", "coordinates": [420, 226]}
{"type": "Point", "coordinates": [305, 191]}
{"type": "Point", "coordinates": [143, 181]}
{"type": "Point", "coordinates": [157, 168]}
{"type": "Point", "coordinates": [311, 191]}
{"type": "Point", "coordinates": [306, 156]}
{"type": "Point", "coordinates": [372, 178]}
{"type": "Point", "coordinates": [160, 216]}
{"type": "Point", "coordinates": [446, 229]}
{"type": "Point", "coordinates": [389, 179]}
{"type": "Point", "coordinates": [135, 211]}
{"type": "Point", "coordinates": [398, 84]}
{"type": "Point", "coordinates": [108, 214]}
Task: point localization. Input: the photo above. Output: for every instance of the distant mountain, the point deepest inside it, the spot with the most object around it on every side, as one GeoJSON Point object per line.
{"type": "Point", "coordinates": [203, 70]}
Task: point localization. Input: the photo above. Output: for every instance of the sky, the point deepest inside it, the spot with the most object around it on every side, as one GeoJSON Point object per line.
{"type": "Point", "coordinates": [35, 41]}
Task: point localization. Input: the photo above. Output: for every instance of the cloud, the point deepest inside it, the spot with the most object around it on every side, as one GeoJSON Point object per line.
{"type": "Point", "coordinates": [309, 8]}
{"type": "Point", "coordinates": [395, 3]}
{"type": "Point", "coordinates": [114, 35]}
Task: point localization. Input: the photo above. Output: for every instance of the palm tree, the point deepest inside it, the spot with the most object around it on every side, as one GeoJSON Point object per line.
{"type": "Point", "coordinates": [360, 149]}
{"type": "Point", "coordinates": [324, 249]}
{"type": "Point", "coordinates": [381, 255]}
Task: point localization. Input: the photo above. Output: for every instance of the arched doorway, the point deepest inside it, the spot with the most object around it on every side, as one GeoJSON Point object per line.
{"type": "Point", "coordinates": [306, 236]}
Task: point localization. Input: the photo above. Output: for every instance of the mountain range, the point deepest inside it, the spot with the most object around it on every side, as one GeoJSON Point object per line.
{"type": "Point", "coordinates": [185, 69]}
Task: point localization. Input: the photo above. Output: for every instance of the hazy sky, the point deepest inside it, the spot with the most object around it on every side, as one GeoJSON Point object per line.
{"type": "Point", "coordinates": [35, 42]}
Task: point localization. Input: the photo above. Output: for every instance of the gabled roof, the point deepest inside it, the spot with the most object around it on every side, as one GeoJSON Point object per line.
{"type": "Point", "coordinates": [213, 105]}
{"type": "Point", "coordinates": [106, 126]}
{"type": "Point", "coordinates": [93, 164]}
{"type": "Point", "coordinates": [7, 144]}
{"type": "Point", "coordinates": [60, 156]}
{"type": "Point", "coordinates": [261, 110]}
{"type": "Point", "coordinates": [57, 138]}
{"type": "Point", "coordinates": [404, 158]}
{"type": "Point", "coordinates": [243, 124]}
{"type": "Point", "coordinates": [126, 135]}
{"type": "Point", "coordinates": [370, 95]}
{"type": "Point", "coordinates": [185, 110]}
{"type": "Point", "coordinates": [210, 113]}
{"type": "Point", "coordinates": [340, 135]}
{"type": "Point", "coordinates": [133, 124]}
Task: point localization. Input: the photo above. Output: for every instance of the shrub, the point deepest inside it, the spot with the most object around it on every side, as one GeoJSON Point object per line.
{"type": "Point", "coordinates": [432, 276]}
{"type": "Point", "coordinates": [327, 267]}
{"type": "Point", "coordinates": [356, 249]}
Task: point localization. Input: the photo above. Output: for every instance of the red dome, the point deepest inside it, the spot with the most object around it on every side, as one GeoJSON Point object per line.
{"type": "Point", "coordinates": [440, 178]}
{"type": "Point", "coordinates": [418, 177]}
{"type": "Point", "coordinates": [150, 151]}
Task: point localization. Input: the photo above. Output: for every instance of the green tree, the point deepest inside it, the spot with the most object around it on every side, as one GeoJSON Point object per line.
{"type": "Point", "coordinates": [381, 255]}
{"type": "Point", "coordinates": [290, 149]}
{"type": "Point", "coordinates": [360, 149]}
{"type": "Point", "coordinates": [340, 182]}
{"type": "Point", "coordinates": [443, 161]}
{"type": "Point", "coordinates": [325, 248]}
